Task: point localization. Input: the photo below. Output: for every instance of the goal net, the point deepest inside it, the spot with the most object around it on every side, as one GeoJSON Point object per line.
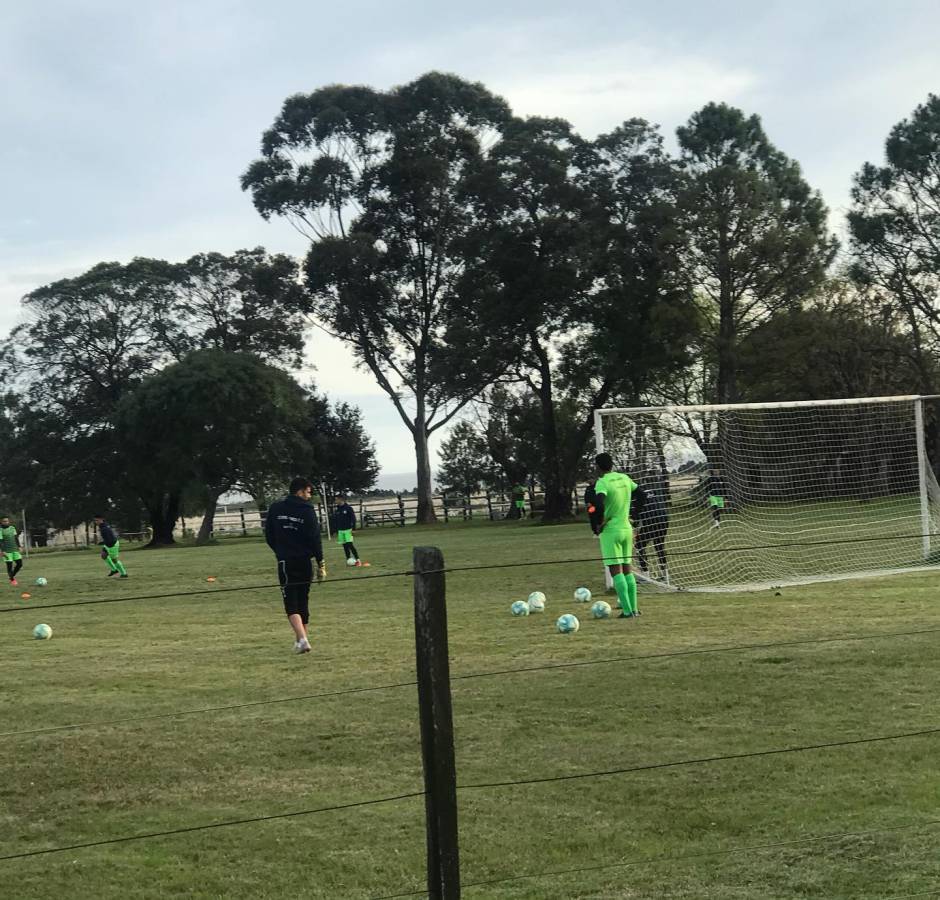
{"type": "Point", "coordinates": [764, 494]}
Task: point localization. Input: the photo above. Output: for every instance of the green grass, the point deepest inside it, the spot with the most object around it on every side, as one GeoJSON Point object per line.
{"type": "Point", "coordinates": [110, 661]}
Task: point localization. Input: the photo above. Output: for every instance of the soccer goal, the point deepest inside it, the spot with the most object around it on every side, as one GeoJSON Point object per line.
{"type": "Point", "coordinates": [763, 494]}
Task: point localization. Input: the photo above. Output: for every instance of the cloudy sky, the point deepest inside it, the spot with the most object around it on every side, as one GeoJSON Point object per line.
{"type": "Point", "coordinates": [125, 126]}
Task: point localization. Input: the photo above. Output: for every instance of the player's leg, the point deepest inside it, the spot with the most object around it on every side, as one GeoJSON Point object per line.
{"type": "Point", "coordinates": [106, 556]}
{"type": "Point", "coordinates": [303, 574]}
{"type": "Point", "coordinates": [627, 550]}
{"type": "Point", "coordinates": [115, 554]}
{"type": "Point", "coordinates": [291, 608]}
{"type": "Point", "coordinates": [8, 559]}
{"type": "Point", "coordinates": [659, 542]}
{"type": "Point", "coordinates": [612, 551]}
{"type": "Point", "coordinates": [353, 553]}
{"type": "Point", "coordinates": [642, 539]}
{"type": "Point", "coordinates": [17, 563]}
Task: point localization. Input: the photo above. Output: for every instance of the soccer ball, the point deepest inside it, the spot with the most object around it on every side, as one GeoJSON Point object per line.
{"type": "Point", "coordinates": [567, 624]}
{"type": "Point", "coordinates": [351, 561]}
{"type": "Point", "coordinates": [42, 632]}
{"type": "Point", "coordinates": [582, 595]}
{"type": "Point", "coordinates": [41, 581]}
{"type": "Point", "coordinates": [601, 609]}
{"type": "Point", "coordinates": [536, 602]}
{"type": "Point", "coordinates": [519, 608]}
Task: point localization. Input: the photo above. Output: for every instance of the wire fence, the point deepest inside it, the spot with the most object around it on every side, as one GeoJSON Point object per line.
{"type": "Point", "coordinates": [925, 731]}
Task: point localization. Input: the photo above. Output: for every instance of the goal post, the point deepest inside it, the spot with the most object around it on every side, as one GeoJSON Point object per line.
{"type": "Point", "coordinates": [764, 494]}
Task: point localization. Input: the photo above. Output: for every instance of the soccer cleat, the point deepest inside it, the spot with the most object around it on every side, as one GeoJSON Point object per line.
{"type": "Point", "coordinates": [302, 646]}
{"type": "Point", "coordinates": [358, 563]}
{"type": "Point", "coordinates": [125, 575]}
{"type": "Point", "coordinates": [14, 582]}
{"type": "Point", "coordinates": [716, 524]}
{"type": "Point", "coordinates": [112, 573]}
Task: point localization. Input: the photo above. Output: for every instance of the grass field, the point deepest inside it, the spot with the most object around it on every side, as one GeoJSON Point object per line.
{"type": "Point", "coordinates": [118, 660]}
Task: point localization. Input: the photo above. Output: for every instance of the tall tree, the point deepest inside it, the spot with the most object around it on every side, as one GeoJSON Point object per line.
{"type": "Point", "coordinates": [577, 262]}
{"type": "Point", "coordinates": [248, 302]}
{"type": "Point", "coordinates": [465, 465]}
{"type": "Point", "coordinates": [194, 427]}
{"type": "Point", "coordinates": [895, 227]}
{"type": "Point", "coordinates": [757, 234]}
{"type": "Point", "coordinates": [377, 181]}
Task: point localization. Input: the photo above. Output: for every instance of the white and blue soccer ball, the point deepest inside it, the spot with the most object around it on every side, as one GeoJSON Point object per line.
{"type": "Point", "coordinates": [536, 602]}
{"type": "Point", "coordinates": [600, 609]}
{"type": "Point", "coordinates": [519, 608]}
{"type": "Point", "coordinates": [351, 561]}
{"type": "Point", "coordinates": [536, 596]}
{"type": "Point", "coordinates": [42, 632]}
{"type": "Point", "coordinates": [41, 581]}
{"type": "Point", "coordinates": [567, 624]}
{"type": "Point", "coordinates": [582, 595]}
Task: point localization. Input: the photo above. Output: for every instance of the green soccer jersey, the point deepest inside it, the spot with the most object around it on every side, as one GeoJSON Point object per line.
{"type": "Point", "coordinates": [617, 489]}
{"type": "Point", "coordinates": [8, 542]}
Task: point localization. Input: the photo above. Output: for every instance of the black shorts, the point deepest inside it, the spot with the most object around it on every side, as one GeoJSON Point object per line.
{"type": "Point", "coordinates": [295, 575]}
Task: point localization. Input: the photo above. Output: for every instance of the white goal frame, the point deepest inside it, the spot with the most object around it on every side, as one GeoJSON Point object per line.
{"type": "Point", "coordinates": [924, 472]}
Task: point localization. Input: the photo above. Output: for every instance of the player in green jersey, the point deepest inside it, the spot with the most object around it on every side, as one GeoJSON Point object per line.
{"type": "Point", "coordinates": [10, 548]}
{"type": "Point", "coordinates": [614, 491]}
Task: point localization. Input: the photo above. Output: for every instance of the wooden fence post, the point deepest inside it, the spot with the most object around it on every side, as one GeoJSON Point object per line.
{"type": "Point", "coordinates": [437, 725]}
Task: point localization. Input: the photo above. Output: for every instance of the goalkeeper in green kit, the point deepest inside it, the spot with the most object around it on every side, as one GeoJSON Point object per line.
{"type": "Point", "coordinates": [10, 548]}
{"type": "Point", "coordinates": [611, 520]}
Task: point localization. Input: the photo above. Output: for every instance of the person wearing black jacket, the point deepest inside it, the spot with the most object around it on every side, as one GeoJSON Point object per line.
{"type": "Point", "coordinates": [293, 533]}
{"type": "Point", "coordinates": [111, 549]}
{"type": "Point", "coordinates": [654, 524]}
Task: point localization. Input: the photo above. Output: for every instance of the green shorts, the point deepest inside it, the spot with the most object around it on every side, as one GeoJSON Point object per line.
{"type": "Point", "coordinates": [715, 501]}
{"type": "Point", "coordinates": [344, 536]}
{"type": "Point", "coordinates": [12, 556]}
{"type": "Point", "coordinates": [617, 544]}
{"type": "Point", "coordinates": [113, 552]}
{"type": "Point", "coordinates": [520, 504]}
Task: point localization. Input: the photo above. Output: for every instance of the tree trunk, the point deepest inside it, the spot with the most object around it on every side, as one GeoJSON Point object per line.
{"type": "Point", "coordinates": [727, 337]}
{"type": "Point", "coordinates": [163, 511]}
{"type": "Point", "coordinates": [425, 514]}
{"type": "Point", "coordinates": [208, 520]}
{"type": "Point", "coordinates": [557, 499]}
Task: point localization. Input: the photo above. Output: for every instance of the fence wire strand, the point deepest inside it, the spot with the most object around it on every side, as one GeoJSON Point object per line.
{"type": "Point", "coordinates": [652, 860]}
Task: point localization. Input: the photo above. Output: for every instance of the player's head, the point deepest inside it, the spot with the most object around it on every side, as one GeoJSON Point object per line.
{"type": "Point", "coordinates": [604, 462]}
{"type": "Point", "coordinates": [4, 521]}
{"type": "Point", "coordinates": [301, 487]}
{"type": "Point", "coordinates": [341, 499]}
{"type": "Point", "coordinates": [98, 518]}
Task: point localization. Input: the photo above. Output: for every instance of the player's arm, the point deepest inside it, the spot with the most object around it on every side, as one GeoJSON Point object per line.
{"type": "Point", "coordinates": [316, 542]}
{"type": "Point", "coordinates": [637, 503]}
{"type": "Point", "coordinates": [269, 528]}
{"type": "Point", "coordinates": [599, 500]}
{"type": "Point", "coordinates": [352, 514]}
{"type": "Point", "coordinates": [594, 519]}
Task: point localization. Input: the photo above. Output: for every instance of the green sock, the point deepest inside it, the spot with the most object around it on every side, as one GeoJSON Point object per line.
{"type": "Point", "coordinates": [631, 590]}
{"type": "Point", "coordinates": [123, 571]}
{"type": "Point", "coordinates": [622, 589]}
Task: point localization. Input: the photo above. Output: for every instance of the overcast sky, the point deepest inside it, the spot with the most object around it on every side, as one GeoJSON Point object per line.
{"type": "Point", "coordinates": [125, 126]}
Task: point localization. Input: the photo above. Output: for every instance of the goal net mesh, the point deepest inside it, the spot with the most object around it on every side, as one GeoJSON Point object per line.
{"type": "Point", "coordinates": [763, 495]}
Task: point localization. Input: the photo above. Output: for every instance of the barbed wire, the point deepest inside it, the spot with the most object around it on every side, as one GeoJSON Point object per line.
{"type": "Point", "coordinates": [546, 667]}
{"type": "Point", "coordinates": [652, 860]}
{"type": "Point", "coordinates": [702, 760]}
{"type": "Point", "coordinates": [123, 839]}
{"type": "Point", "coordinates": [414, 794]}
{"type": "Point", "coordinates": [802, 545]}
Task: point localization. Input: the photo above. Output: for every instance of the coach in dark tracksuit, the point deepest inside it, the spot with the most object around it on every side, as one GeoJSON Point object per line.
{"type": "Point", "coordinates": [654, 524]}
{"type": "Point", "coordinates": [293, 533]}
